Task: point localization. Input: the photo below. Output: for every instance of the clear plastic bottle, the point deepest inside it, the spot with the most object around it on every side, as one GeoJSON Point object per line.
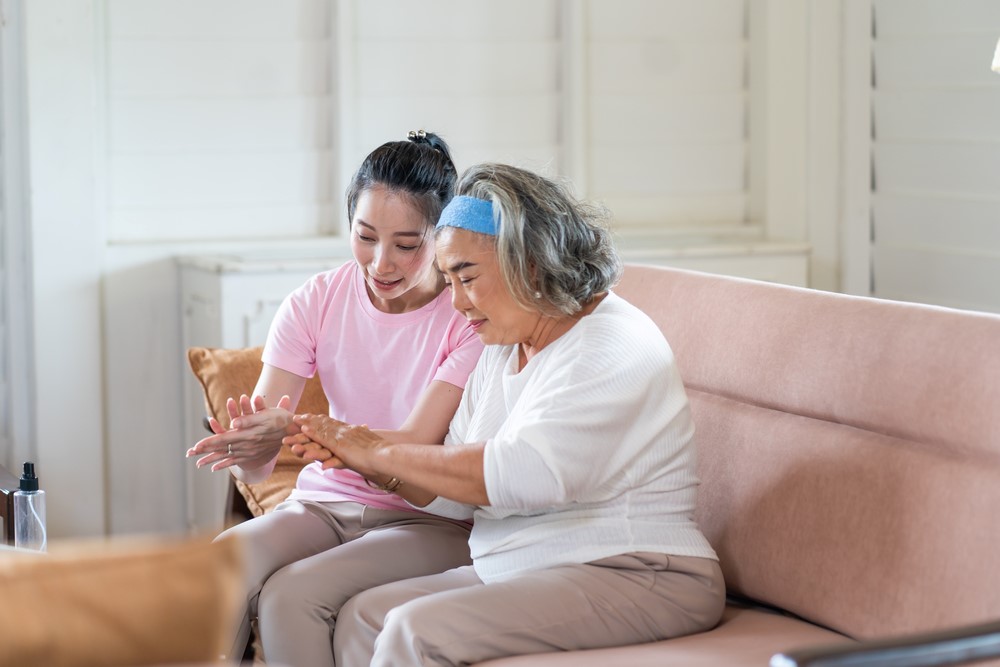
{"type": "Point", "coordinates": [29, 512]}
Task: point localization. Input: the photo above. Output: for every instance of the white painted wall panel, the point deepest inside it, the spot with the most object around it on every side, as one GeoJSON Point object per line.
{"type": "Point", "coordinates": [186, 125]}
{"type": "Point", "coordinates": [894, 18]}
{"type": "Point", "coordinates": [936, 60]}
{"type": "Point", "coordinates": [941, 167]}
{"type": "Point", "coordinates": [456, 20]}
{"type": "Point", "coordinates": [485, 76]}
{"type": "Point", "coordinates": [651, 120]}
{"type": "Point", "coordinates": [217, 68]}
{"type": "Point", "coordinates": [930, 220]}
{"type": "Point", "coordinates": [643, 19]}
{"type": "Point", "coordinates": [666, 67]}
{"type": "Point", "coordinates": [667, 110]}
{"type": "Point", "coordinates": [966, 114]}
{"type": "Point", "coordinates": [218, 119]}
{"type": "Point", "coordinates": [936, 194]}
{"type": "Point", "coordinates": [676, 210]}
{"type": "Point", "coordinates": [201, 19]}
{"type": "Point", "coordinates": [459, 67]}
{"type": "Point", "coordinates": [700, 168]}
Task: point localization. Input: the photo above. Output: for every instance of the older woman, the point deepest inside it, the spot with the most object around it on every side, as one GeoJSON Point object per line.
{"type": "Point", "coordinates": [572, 449]}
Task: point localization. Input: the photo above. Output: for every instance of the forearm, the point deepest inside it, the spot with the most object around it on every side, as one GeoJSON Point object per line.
{"type": "Point", "coordinates": [427, 471]}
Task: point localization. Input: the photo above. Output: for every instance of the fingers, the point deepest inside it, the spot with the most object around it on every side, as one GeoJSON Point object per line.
{"type": "Point", "coordinates": [216, 427]}
{"type": "Point", "coordinates": [233, 408]}
{"type": "Point", "coordinates": [285, 402]}
{"type": "Point", "coordinates": [296, 439]}
{"type": "Point", "coordinates": [246, 407]}
{"type": "Point", "coordinates": [312, 451]}
{"type": "Point", "coordinates": [258, 403]}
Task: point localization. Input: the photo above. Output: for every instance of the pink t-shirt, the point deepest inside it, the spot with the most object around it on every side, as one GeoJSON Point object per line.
{"type": "Point", "coordinates": [373, 365]}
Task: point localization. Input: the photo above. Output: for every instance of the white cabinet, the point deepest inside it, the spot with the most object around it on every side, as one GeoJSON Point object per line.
{"type": "Point", "coordinates": [228, 301]}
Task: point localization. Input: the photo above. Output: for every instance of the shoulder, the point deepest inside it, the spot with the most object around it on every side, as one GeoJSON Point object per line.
{"type": "Point", "coordinates": [617, 324]}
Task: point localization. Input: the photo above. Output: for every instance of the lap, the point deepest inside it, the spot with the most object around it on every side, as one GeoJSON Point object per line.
{"type": "Point", "coordinates": [626, 599]}
{"type": "Point", "coordinates": [314, 540]}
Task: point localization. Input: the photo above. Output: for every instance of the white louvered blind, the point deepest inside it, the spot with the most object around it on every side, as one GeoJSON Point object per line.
{"type": "Point", "coordinates": [667, 108]}
{"type": "Point", "coordinates": [936, 193]}
{"type": "Point", "coordinates": [484, 75]}
{"type": "Point", "coordinates": [219, 119]}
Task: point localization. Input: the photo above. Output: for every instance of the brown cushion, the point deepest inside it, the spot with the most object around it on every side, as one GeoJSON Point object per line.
{"type": "Point", "coordinates": [231, 372]}
{"type": "Point", "coordinates": [119, 603]}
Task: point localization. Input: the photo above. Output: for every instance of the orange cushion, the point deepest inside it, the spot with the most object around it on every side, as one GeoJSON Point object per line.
{"type": "Point", "coordinates": [225, 373]}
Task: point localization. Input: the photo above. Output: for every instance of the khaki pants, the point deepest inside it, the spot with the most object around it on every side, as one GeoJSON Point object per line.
{"type": "Point", "coordinates": [304, 560]}
{"type": "Point", "coordinates": [454, 619]}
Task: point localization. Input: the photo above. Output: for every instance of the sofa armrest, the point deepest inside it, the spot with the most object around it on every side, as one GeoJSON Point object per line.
{"type": "Point", "coordinates": [957, 646]}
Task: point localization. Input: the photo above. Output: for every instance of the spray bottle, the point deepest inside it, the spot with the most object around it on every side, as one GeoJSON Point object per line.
{"type": "Point", "coordinates": [29, 512]}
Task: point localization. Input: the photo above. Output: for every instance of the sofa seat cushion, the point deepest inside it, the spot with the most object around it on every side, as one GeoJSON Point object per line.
{"type": "Point", "coordinates": [743, 637]}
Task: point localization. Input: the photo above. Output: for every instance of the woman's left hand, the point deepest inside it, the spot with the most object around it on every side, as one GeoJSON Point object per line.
{"type": "Point", "coordinates": [348, 446]}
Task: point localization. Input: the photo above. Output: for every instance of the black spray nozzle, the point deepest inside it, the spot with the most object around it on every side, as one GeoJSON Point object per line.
{"type": "Point", "coordinates": [28, 480]}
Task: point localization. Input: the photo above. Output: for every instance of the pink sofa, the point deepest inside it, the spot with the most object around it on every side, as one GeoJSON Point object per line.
{"type": "Point", "coordinates": [849, 453]}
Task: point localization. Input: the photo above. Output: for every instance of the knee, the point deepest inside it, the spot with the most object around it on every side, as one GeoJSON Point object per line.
{"type": "Point", "coordinates": [415, 629]}
{"type": "Point", "coordinates": [283, 593]}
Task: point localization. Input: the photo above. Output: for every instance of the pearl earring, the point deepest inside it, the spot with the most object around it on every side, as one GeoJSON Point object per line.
{"type": "Point", "coordinates": [538, 295]}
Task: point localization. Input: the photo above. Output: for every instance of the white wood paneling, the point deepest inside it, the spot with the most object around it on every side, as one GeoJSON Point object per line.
{"type": "Point", "coordinates": [667, 110]}
{"type": "Point", "coordinates": [485, 76]}
{"type": "Point", "coordinates": [856, 164]}
{"type": "Point", "coordinates": [936, 203]}
{"type": "Point", "coordinates": [894, 18]}
{"type": "Point", "coordinates": [218, 119]}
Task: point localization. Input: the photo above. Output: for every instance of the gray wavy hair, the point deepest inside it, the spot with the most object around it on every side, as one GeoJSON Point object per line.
{"type": "Point", "coordinates": [555, 252]}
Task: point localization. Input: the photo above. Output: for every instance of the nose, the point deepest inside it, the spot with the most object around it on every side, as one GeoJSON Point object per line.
{"type": "Point", "coordinates": [459, 300]}
{"type": "Point", "coordinates": [382, 261]}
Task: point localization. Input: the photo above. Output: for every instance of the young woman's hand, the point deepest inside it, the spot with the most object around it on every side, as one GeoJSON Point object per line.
{"type": "Point", "coordinates": [254, 436]}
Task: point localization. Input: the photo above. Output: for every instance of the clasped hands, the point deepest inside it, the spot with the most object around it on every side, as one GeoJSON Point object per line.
{"type": "Point", "coordinates": [335, 443]}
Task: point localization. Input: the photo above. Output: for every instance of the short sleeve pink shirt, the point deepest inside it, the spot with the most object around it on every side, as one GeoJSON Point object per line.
{"type": "Point", "coordinates": [373, 365]}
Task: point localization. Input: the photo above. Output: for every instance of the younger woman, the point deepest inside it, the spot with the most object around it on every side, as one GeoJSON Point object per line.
{"type": "Point", "coordinates": [391, 353]}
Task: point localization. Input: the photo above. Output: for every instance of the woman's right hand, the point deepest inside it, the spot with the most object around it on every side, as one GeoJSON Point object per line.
{"type": "Point", "coordinates": [254, 436]}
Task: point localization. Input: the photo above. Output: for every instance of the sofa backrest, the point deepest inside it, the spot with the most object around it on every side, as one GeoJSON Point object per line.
{"type": "Point", "coordinates": [849, 448]}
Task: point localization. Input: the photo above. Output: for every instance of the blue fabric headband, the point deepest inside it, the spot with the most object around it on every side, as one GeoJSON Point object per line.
{"type": "Point", "coordinates": [470, 213]}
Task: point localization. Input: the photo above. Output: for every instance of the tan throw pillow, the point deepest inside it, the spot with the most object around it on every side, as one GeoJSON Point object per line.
{"type": "Point", "coordinates": [110, 604]}
{"type": "Point", "coordinates": [231, 372]}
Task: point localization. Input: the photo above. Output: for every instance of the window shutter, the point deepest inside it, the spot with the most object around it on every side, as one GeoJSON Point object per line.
{"type": "Point", "coordinates": [936, 192]}
{"type": "Point", "coordinates": [219, 119]}
{"type": "Point", "coordinates": [483, 75]}
{"type": "Point", "coordinates": [667, 104]}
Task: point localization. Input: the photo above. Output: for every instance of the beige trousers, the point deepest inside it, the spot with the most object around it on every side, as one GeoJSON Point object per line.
{"type": "Point", "coordinates": [304, 560]}
{"type": "Point", "coordinates": [454, 618]}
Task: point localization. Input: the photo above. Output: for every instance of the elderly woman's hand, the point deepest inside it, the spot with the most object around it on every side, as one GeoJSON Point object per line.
{"type": "Point", "coordinates": [348, 446]}
{"type": "Point", "coordinates": [254, 436]}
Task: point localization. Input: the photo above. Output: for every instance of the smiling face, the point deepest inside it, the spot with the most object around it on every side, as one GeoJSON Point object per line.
{"type": "Point", "coordinates": [469, 263]}
{"type": "Point", "coordinates": [394, 246]}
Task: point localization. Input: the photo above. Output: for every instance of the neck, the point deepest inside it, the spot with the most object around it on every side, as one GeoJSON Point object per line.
{"type": "Point", "coordinates": [548, 329]}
